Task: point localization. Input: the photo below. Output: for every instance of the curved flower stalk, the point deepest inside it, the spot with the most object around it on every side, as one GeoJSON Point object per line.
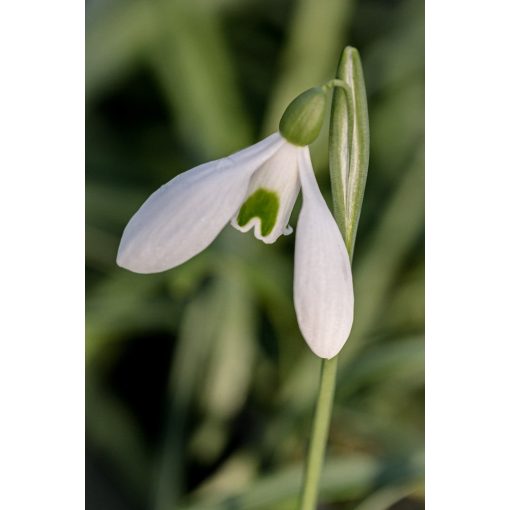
{"type": "Point", "coordinates": [257, 188]}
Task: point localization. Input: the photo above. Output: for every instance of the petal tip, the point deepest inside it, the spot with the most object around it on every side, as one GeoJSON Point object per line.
{"type": "Point", "coordinates": [330, 348]}
{"type": "Point", "coordinates": [326, 352]}
{"type": "Point", "coordinates": [137, 262]}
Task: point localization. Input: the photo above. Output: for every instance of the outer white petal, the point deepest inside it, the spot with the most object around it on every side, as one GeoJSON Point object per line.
{"type": "Point", "coordinates": [185, 215]}
{"type": "Point", "coordinates": [280, 175]}
{"type": "Point", "coordinates": [323, 293]}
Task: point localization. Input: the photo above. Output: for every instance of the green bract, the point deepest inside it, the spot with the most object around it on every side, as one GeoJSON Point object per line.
{"type": "Point", "coordinates": [302, 120]}
{"type": "Point", "coordinates": [349, 141]}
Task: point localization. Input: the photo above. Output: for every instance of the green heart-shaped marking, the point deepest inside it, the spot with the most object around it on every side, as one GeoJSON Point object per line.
{"type": "Point", "coordinates": [262, 204]}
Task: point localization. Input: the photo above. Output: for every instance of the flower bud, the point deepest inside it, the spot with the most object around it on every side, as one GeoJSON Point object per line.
{"type": "Point", "coordinates": [302, 120]}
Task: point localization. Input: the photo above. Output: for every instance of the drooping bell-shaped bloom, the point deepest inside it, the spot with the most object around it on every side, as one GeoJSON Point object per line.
{"type": "Point", "coordinates": [254, 188]}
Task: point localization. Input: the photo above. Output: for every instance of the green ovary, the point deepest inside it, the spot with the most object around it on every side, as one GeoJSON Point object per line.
{"type": "Point", "coordinates": [262, 204]}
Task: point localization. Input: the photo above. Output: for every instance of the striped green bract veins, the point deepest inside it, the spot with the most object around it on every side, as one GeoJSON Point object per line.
{"type": "Point", "coordinates": [349, 143]}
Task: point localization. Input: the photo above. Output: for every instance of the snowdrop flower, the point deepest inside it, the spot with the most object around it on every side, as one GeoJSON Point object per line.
{"type": "Point", "coordinates": [257, 188]}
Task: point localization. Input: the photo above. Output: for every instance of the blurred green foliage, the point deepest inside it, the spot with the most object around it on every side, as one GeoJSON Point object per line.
{"type": "Point", "coordinates": [200, 389]}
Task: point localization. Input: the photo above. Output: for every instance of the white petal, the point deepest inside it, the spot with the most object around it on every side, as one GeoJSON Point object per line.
{"type": "Point", "coordinates": [185, 215]}
{"type": "Point", "coordinates": [323, 293]}
{"type": "Point", "coordinates": [278, 175]}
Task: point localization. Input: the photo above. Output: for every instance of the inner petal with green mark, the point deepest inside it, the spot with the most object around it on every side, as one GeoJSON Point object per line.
{"type": "Point", "coordinates": [262, 204]}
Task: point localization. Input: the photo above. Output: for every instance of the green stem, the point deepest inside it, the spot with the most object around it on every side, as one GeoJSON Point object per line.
{"type": "Point", "coordinates": [319, 437]}
{"type": "Point", "coordinates": [348, 158]}
{"type": "Point", "coordinates": [320, 427]}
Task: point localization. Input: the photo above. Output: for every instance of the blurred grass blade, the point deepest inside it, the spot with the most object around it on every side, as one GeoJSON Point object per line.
{"type": "Point", "coordinates": [195, 338]}
{"type": "Point", "coordinates": [349, 165]}
{"type": "Point", "coordinates": [113, 433]}
{"type": "Point", "coordinates": [343, 479]}
{"type": "Point", "coordinates": [118, 304]}
{"type": "Point", "coordinates": [228, 372]}
{"type": "Point", "coordinates": [117, 37]}
{"type": "Point", "coordinates": [380, 363]}
{"type": "Point", "coordinates": [399, 55]}
{"type": "Point", "coordinates": [232, 357]}
{"type": "Point", "coordinates": [385, 498]}
{"type": "Point", "coordinates": [192, 64]}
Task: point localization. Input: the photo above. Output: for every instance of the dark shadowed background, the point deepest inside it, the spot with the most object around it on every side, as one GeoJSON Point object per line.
{"type": "Point", "coordinates": [200, 388]}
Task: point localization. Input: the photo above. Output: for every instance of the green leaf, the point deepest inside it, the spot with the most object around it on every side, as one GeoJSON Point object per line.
{"type": "Point", "coordinates": [192, 63]}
